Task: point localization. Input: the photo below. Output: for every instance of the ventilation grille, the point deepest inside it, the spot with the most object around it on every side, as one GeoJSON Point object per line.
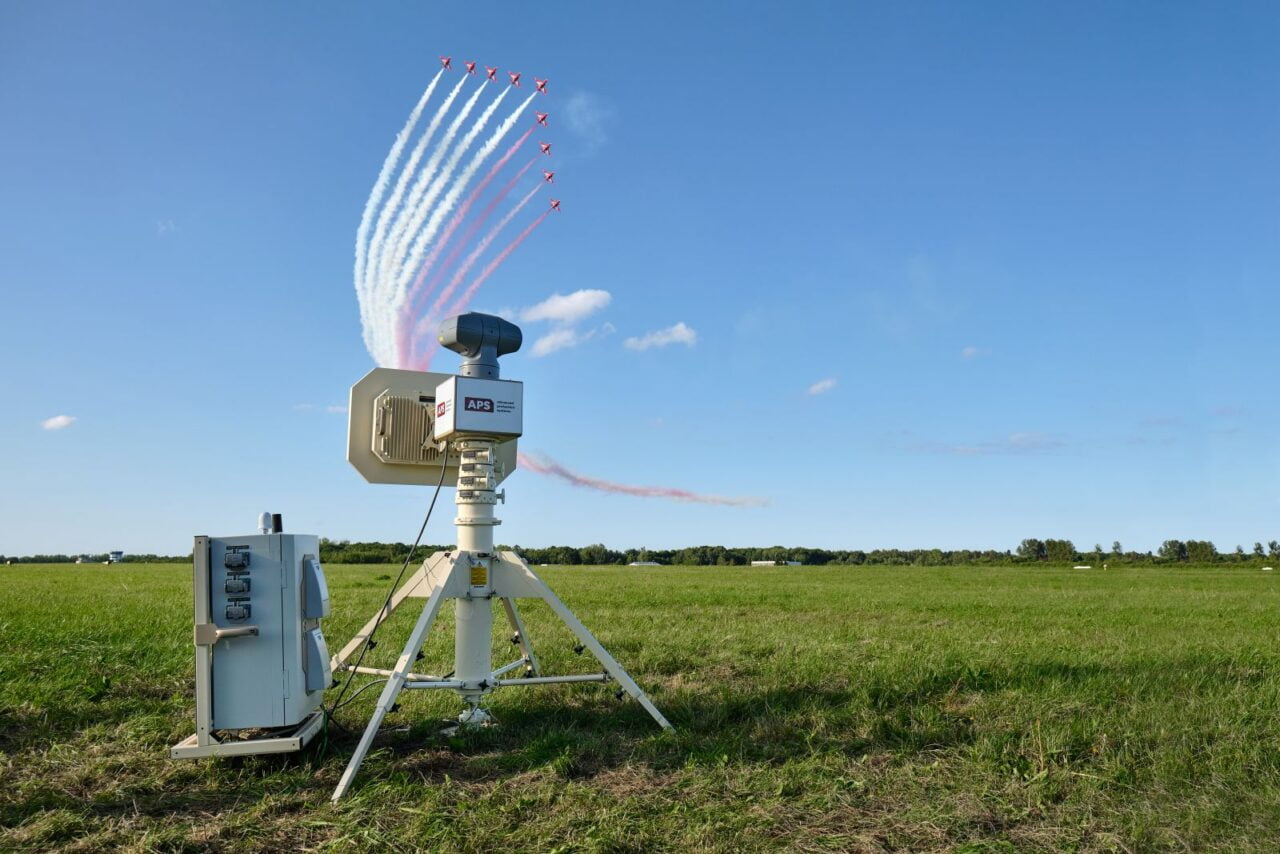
{"type": "Point", "coordinates": [402, 430]}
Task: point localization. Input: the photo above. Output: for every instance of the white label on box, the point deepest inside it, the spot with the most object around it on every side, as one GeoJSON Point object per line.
{"type": "Point", "coordinates": [479, 407]}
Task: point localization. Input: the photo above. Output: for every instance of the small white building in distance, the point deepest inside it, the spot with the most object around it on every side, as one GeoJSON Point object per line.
{"type": "Point", "coordinates": [775, 563]}
{"type": "Point", "coordinates": [644, 563]}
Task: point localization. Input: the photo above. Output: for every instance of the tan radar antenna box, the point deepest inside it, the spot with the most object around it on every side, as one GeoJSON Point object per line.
{"type": "Point", "coordinates": [390, 427]}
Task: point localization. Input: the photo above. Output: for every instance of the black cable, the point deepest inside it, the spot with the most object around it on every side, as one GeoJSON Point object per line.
{"type": "Point", "coordinates": [383, 613]}
{"type": "Point", "coordinates": [360, 691]}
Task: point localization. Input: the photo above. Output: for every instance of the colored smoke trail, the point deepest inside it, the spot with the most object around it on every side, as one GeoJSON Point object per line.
{"type": "Point", "coordinates": [446, 204]}
{"type": "Point", "coordinates": [495, 263]}
{"type": "Point", "coordinates": [423, 330]}
{"type": "Point", "coordinates": [428, 205]}
{"type": "Point", "coordinates": [544, 465]}
{"type": "Point", "coordinates": [374, 279]}
{"type": "Point", "coordinates": [392, 207]}
{"type": "Point", "coordinates": [415, 292]}
{"type": "Point", "coordinates": [406, 327]}
{"type": "Point", "coordinates": [375, 199]}
{"type": "Point", "coordinates": [483, 245]}
{"type": "Point", "coordinates": [420, 203]}
{"type": "Point", "coordinates": [433, 177]}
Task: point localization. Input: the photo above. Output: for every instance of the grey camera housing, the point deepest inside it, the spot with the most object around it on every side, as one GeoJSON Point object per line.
{"type": "Point", "coordinates": [480, 339]}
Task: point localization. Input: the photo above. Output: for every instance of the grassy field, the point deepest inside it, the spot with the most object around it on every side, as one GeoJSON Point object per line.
{"type": "Point", "coordinates": [839, 708]}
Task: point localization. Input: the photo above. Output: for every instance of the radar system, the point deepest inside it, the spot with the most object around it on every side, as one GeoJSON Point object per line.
{"type": "Point", "coordinates": [415, 427]}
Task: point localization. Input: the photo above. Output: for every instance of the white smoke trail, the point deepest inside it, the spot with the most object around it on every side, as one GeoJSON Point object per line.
{"type": "Point", "coordinates": [423, 181]}
{"type": "Point", "coordinates": [375, 275]}
{"type": "Point", "coordinates": [419, 205]}
{"type": "Point", "coordinates": [375, 198]}
{"type": "Point", "coordinates": [455, 192]}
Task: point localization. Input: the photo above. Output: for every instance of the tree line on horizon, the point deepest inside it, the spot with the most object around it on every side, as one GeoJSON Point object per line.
{"type": "Point", "coordinates": [1029, 551]}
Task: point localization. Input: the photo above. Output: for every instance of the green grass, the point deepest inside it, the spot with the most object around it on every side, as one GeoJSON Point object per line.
{"type": "Point", "coordinates": [837, 708]}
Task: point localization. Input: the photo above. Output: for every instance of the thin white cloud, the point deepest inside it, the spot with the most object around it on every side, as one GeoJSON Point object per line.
{"type": "Point", "coordinates": [557, 339]}
{"type": "Point", "coordinates": [590, 118]}
{"type": "Point", "coordinates": [303, 407]}
{"type": "Point", "coordinates": [58, 422]}
{"type": "Point", "coordinates": [972, 352]}
{"type": "Point", "coordinates": [567, 337]}
{"type": "Point", "coordinates": [1014, 443]}
{"type": "Point", "coordinates": [823, 386]}
{"type": "Point", "coordinates": [336, 409]}
{"type": "Point", "coordinates": [567, 308]}
{"type": "Point", "coordinates": [165, 226]}
{"type": "Point", "coordinates": [677, 334]}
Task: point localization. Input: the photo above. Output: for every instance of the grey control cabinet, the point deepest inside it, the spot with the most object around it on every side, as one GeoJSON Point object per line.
{"type": "Point", "coordinates": [261, 659]}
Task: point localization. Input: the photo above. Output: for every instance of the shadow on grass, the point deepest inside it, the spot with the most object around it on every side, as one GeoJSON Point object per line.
{"type": "Point", "coordinates": [730, 722]}
{"type": "Point", "coordinates": [574, 736]}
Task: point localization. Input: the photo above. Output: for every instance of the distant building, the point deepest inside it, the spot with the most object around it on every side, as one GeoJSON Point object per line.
{"type": "Point", "coordinates": [644, 563]}
{"type": "Point", "coordinates": [775, 563]}
{"type": "Point", "coordinates": [115, 557]}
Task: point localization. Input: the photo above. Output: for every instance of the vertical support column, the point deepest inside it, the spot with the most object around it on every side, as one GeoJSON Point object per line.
{"type": "Point", "coordinates": [473, 647]}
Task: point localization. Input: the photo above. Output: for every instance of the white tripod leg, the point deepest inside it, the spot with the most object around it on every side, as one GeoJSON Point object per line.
{"type": "Point", "coordinates": [394, 683]}
{"type": "Point", "coordinates": [517, 626]}
{"type": "Point", "coordinates": [588, 640]}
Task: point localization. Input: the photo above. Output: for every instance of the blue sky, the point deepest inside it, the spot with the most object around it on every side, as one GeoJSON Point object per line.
{"type": "Point", "coordinates": [1036, 249]}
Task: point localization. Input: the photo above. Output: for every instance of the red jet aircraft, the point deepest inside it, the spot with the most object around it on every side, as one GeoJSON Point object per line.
{"type": "Point", "coordinates": [471, 67]}
{"type": "Point", "coordinates": [555, 205]}
{"type": "Point", "coordinates": [546, 147]}
{"type": "Point", "coordinates": [515, 78]}
{"type": "Point", "coordinates": [540, 85]}
{"type": "Point", "coordinates": [447, 62]}
{"type": "Point", "coordinates": [549, 177]}
{"type": "Point", "coordinates": [492, 73]}
{"type": "Point", "coordinates": [541, 118]}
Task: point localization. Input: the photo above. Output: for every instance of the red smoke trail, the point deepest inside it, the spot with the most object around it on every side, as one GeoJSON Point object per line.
{"type": "Point", "coordinates": [416, 296]}
{"type": "Point", "coordinates": [406, 327]}
{"type": "Point", "coordinates": [467, 237]}
{"type": "Point", "coordinates": [425, 360]}
{"type": "Point", "coordinates": [546, 465]}
{"type": "Point", "coordinates": [494, 264]}
{"type": "Point", "coordinates": [481, 247]}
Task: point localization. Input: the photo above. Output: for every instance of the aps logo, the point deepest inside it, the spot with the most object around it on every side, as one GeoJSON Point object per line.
{"type": "Point", "coordinates": [441, 408]}
{"type": "Point", "coordinates": [477, 404]}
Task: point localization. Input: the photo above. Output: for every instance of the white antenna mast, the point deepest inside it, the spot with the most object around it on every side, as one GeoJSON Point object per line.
{"type": "Point", "coordinates": [396, 420]}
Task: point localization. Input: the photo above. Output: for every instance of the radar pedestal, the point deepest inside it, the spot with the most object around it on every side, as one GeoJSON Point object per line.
{"type": "Point", "coordinates": [476, 413]}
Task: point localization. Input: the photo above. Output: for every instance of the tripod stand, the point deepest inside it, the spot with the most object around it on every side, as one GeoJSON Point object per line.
{"type": "Point", "coordinates": [473, 576]}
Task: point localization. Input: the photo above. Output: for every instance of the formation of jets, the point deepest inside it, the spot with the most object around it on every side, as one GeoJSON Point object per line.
{"type": "Point", "coordinates": [539, 85]}
{"type": "Point", "coordinates": [491, 72]}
